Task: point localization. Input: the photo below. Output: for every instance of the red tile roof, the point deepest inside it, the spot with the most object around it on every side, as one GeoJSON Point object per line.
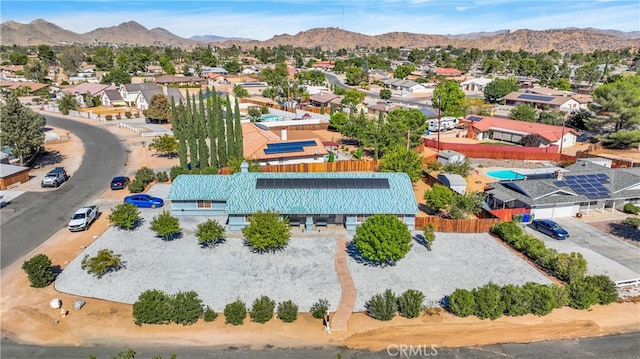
{"type": "Point", "coordinates": [548, 132]}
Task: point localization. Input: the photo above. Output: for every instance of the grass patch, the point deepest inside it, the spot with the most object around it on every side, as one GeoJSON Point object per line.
{"type": "Point", "coordinates": [496, 143]}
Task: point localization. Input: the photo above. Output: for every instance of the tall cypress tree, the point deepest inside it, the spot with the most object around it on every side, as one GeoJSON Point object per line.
{"type": "Point", "coordinates": [237, 127]}
{"type": "Point", "coordinates": [231, 146]}
{"type": "Point", "coordinates": [223, 156]}
{"type": "Point", "coordinates": [192, 132]}
{"type": "Point", "coordinates": [177, 118]}
{"type": "Point", "coordinates": [203, 149]}
{"type": "Point", "coordinates": [212, 127]}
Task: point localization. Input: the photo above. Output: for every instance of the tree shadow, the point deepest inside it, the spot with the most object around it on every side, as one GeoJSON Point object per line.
{"type": "Point", "coordinates": [171, 237]}
{"type": "Point", "coordinates": [48, 158]}
{"type": "Point", "coordinates": [212, 244]}
{"type": "Point", "coordinates": [262, 251]}
{"type": "Point", "coordinates": [354, 253]}
{"type": "Point", "coordinates": [419, 238]}
{"type": "Point", "coordinates": [624, 231]}
{"type": "Point", "coordinates": [57, 270]}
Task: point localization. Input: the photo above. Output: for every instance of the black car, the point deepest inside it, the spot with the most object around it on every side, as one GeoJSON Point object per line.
{"type": "Point", "coordinates": [119, 182]}
{"type": "Point", "coordinates": [550, 228]}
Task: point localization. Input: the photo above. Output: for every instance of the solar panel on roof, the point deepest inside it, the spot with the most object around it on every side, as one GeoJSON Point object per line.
{"type": "Point", "coordinates": [535, 97]}
{"type": "Point", "coordinates": [474, 118]}
{"type": "Point", "coordinates": [272, 151]}
{"type": "Point", "coordinates": [322, 183]}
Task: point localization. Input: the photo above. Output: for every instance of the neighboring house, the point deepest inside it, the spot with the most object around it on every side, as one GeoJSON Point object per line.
{"type": "Point", "coordinates": [447, 72]}
{"type": "Point", "coordinates": [583, 101]}
{"type": "Point", "coordinates": [179, 80]}
{"type": "Point", "coordinates": [32, 88]}
{"type": "Point", "coordinates": [448, 156]}
{"type": "Point", "coordinates": [267, 148]}
{"type": "Point", "coordinates": [144, 99]}
{"type": "Point", "coordinates": [112, 98]}
{"type": "Point", "coordinates": [10, 175]}
{"type": "Point", "coordinates": [81, 90]}
{"type": "Point", "coordinates": [375, 110]}
{"type": "Point", "coordinates": [253, 88]}
{"type": "Point", "coordinates": [542, 102]}
{"type": "Point", "coordinates": [584, 187]}
{"type": "Point", "coordinates": [313, 90]}
{"type": "Point", "coordinates": [323, 65]}
{"type": "Point", "coordinates": [325, 99]}
{"type": "Point", "coordinates": [406, 86]}
{"type": "Point", "coordinates": [475, 85]}
{"type": "Point", "coordinates": [204, 70]}
{"type": "Point", "coordinates": [495, 128]}
{"type": "Point", "coordinates": [154, 69]}
{"type": "Point", "coordinates": [308, 198]}
{"type": "Point", "coordinates": [131, 92]}
{"type": "Point", "coordinates": [454, 181]}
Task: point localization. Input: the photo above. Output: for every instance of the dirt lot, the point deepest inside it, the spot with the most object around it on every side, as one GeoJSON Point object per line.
{"type": "Point", "coordinates": [27, 316]}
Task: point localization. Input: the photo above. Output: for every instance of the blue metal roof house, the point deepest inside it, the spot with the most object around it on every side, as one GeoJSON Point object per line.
{"type": "Point", "coordinates": [310, 199]}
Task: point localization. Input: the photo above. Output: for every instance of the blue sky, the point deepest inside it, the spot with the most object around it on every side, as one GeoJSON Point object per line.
{"type": "Point", "coordinates": [261, 20]}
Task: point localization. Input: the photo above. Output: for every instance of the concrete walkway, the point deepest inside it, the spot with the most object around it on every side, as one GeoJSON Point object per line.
{"type": "Point", "coordinates": [348, 296]}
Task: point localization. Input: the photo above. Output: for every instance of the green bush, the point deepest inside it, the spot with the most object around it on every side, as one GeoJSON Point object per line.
{"type": "Point", "coordinates": [146, 175]}
{"type": "Point", "coordinates": [410, 303]}
{"type": "Point", "coordinates": [165, 225]}
{"type": "Point", "coordinates": [461, 303]}
{"type": "Point", "coordinates": [153, 307]}
{"type": "Point", "coordinates": [606, 288]}
{"type": "Point", "coordinates": [125, 216]}
{"type": "Point", "coordinates": [108, 117]}
{"type": "Point", "coordinates": [631, 208]}
{"type": "Point", "coordinates": [542, 298]}
{"type": "Point", "coordinates": [128, 114]}
{"type": "Point", "coordinates": [262, 309]}
{"type": "Point", "coordinates": [287, 311]}
{"type": "Point", "coordinates": [633, 222]}
{"type": "Point", "coordinates": [560, 295]}
{"type": "Point", "coordinates": [382, 306]}
{"type": "Point", "coordinates": [429, 235]}
{"type": "Point", "coordinates": [136, 186]}
{"type": "Point", "coordinates": [583, 293]}
{"type": "Point", "coordinates": [488, 301]}
{"type": "Point", "coordinates": [319, 309]}
{"type": "Point", "coordinates": [39, 271]}
{"type": "Point", "coordinates": [569, 267]}
{"type": "Point", "coordinates": [235, 312]}
{"type": "Point", "coordinates": [177, 170]}
{"type": "Point", "coordinates": [209, 315]}
{"type": "Point", "coordinates": [517, 300]}
{"type": "Point", "coordinates": [210, 233]}
{"type": "Point", "coordinates": [187, 308]}
{"type": "Point", "coordinates": [508, 231]}
{"type": "Point", "coordinates": [102, 263]}
{"type": "Point", "coordinates": [162, 176]}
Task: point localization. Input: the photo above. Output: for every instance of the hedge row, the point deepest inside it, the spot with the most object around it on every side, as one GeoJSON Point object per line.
{"type": "Point", "coordinates": [566, 267]}
{"type": "Point", "coordinates": [385, 306]}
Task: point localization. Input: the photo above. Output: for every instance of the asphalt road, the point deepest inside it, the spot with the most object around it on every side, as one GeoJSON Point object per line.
{"type": "Point", "coordinates": [621, 346]}
{"type": "Point", "coordinates": [38, 215]}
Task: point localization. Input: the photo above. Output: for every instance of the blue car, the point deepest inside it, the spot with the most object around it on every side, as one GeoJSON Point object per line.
{"type": "Point", "coordinates": [144, 201]}
{"type": "Point", "coordinates": [550, 228]}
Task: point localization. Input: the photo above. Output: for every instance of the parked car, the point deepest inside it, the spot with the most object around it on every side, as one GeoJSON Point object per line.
{"type": "Point", "coordinates": [55, 177]}
{"type": "Point", "coordinates": [120, 182]}
{"type": "Point", "coordinates": [550, 228]}
{"type": "Point", "coordinates": [144, 201]}
{"type": "Point", "coordinates": [82, 218]}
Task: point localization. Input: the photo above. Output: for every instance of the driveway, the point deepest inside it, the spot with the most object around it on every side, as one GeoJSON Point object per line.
{"type": "Point", "coordinates": [604, 253]}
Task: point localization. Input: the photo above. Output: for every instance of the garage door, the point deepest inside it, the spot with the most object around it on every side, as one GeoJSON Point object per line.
{"type": "Point", "coordinates": [554, 212]}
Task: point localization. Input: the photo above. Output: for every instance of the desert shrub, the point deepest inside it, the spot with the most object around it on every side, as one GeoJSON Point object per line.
{"type": "Point", "coordinates": [560, 295]}
{"type": "Point", "coordinates": [382, 306]}
{"type": "Point", "coordinates": [128, 114]}
{"type": "Point", "coordinates": [108, 117]}
{"type": "Point", "coordinates": [39, 271]}
{"type": "Point", "coordinates": [165, 225]}
{"type": "Point", "coordinates": [177, 170]}
{"type": "Point", "coordinates": [209, 315]}
{"type": "Point", "coordinates": [287, 311]}
{"type": "Point", "coordinates": [162, 176]}
{"type": "Point", "coordinates": [210, 233]}
{"type": "Point", "coordinates": [517, 300]}
{"type": "Point", "coordinates": [187, 308]}
{"type": "Point", "coordinates": [235, 312]}
{"type": "Point", "coordinates": [606, 288]}
{"type": "Point", "coordinates": [146, 175]}
{"type": "Point", "coordinates": [319, 309]}
{"type": "Point", "coordinates": [125, 216]}
{"type": "Point", "coordinates": [429, 235]}
{"type": "Point", "coordinates": [102, 263]}
{"type": "Point", "coordinates": [633, 222]}
{"type": "Point", "coordinates": [508, 231]}
{"type": "Point", "coordinates": [631, 208]}
{"type": "Point", "coordinates": [489, 302]}
{"type": "Point", "coordinates": [542, 298]}
{"type": "Point", "coordinates": [410, 303]}
{"type": "Point", "coordinates": [153, 307]}
{"type": "Point", "coordinates": [461, 302]}
{"type": "Point", "coordinates": [434, 166]}
{"type": "Point", "coordinates": [569, 267]}
{"type": "Point", "coordinates": [262, 309]}
{"type": "Point", "coordinates": [583, 293]}
{"type": "Point", "coordinates": [136, 186]}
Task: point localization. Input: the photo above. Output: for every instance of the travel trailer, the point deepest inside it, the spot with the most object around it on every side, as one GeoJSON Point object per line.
{"type": "Point", "coordinates": [446, 124]}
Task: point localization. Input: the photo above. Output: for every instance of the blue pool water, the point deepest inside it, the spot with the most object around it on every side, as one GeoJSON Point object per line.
{"type": "Point", "coordinates": [505, 175]}
{"type": "Point", "coordinates": [270, 117]}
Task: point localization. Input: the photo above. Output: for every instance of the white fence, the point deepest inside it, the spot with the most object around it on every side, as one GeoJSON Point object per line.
{"type": "Point", "coordinates": [128, 127]}
{"type": "Point", "coordinates": [154, 134]}
{"type": "Point", "coordinates": [628, 283]}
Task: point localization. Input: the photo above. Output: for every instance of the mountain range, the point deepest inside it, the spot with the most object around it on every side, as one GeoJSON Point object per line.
{"type": "Point", "coordinates": [567, 40]}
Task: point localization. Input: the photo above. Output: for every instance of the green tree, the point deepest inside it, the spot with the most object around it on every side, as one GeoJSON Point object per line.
{"type": "Point", "coordinates": [125, 216]}
{"type": "Point", "coordinates": [39, 271]}
{"type": "Point", "coordinates": [489, 302]}
{"type": "Point", "coordinates": [569, 267]}
{"type": "Point", "coordinates": [622, 139]}
{"type": "Point", "coordinates": [165, 225]}
{"type": "Point", "coordinates": [383, 239]}
{"type": "Point", "coordinates": [583, 293]}
{"type": "Point", "coordinates": [46, 54]}
{"type": "Point", "coordinates": [237, 132]}
{"type": "Point", "coordinates": [67, 103]}
{"type": "Point", "coordinates": [438, 197]}
{"type": "Point", "coordinates": [352, 98]}
{"type": "Point", "coordinates": [410, 303]}
{"type": "Point", "coordinates": [496, 90]}
{"type": "Point", "coordinates": [210, 233]}
{"type": "Point", "coordinates": [103, 58]}
{"type": "Point", "coordinates": [102, 263]}
{"type": "Point", "coordinates": [429, 234]}
{"type": "Point", "coordinates": [267, 232]}
{"type": "Point", "coordinates": [319, 309]}
{"type": "Point", "coordinates": [461, 303]}
{"type": "Point", "coordinates": [233, 67]}
{"type": "Point", "coordinates": [262, 309]}
{"type": "Point", "coordinates": [338, 121]}
{"type": "Point", "coordinates": [167, 66]}
{"type": "Point", "coordinates": [36, 70]}
{"type": "Point", "coordinates": [382, 306]}
{"type": "Point", "coordinates": [354, 75]}
{"type": "Point", "coordinates": [116, 76]}
{"type": "Point", "coordinates": [523, 112]}
{"type": "Point", "coordinates": [287, 311]}
{"type": "Point", "coordinates": [621, 100]}
{"type": "Point", "coordinates": [20, 128]}
{"type": "Point", "coordinates": [402, 159]}
{"type": "Point", "coordinates": [403, 71]}
{"type": "Point", "coordinates": [235, 163]}
{"type": "Point", "coordinates": [165, 145]}
{"type": "Point", "coordinates": [187, 308]}
{"type": "Point", "coordinates": [153, 307]}
{"type": "Point", "coordinates": [235, 312]}
{"type": "Point", "coordinates": [461, 168]}
{"type": "Point", "coordinates": [467, 204]}
{"type": "Point", "coordinates": [18, 58]}
{"type": "Point", "coordinates": [385, 94]}
{"type": "Point", "coordinates": [562, 84]}
{"type": "Point", "coordinates": [71, 58]}
{"type": "Point", "coordinates": [449, 98]}
{"type": "Point", "coordinates": [159, 108]}
{"type": "Point", "coordinates": [239, 91]}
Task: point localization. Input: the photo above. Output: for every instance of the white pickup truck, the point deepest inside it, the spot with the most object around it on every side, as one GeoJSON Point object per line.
{"type": "Point", "coordinates": [82, 219]}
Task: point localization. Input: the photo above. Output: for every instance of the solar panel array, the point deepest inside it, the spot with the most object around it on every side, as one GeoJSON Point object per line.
{"type": "Point", "coordinates": [590, 185]}
{"type": "Point", "coordinates": [474, 118]}
{"type": "Point", "coordinates": [322, 183]}
{"type": "Point", "coordinates": [535, 97]}
{"type": "Point", "coordinates": [287, 147]}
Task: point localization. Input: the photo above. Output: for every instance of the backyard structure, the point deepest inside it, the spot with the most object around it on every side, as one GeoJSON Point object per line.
{"type": "Point", "coordinates": [310, 199]}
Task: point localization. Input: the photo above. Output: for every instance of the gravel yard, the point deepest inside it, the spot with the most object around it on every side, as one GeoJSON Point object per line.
{"type": "Point", "coordinates": [456, 261]}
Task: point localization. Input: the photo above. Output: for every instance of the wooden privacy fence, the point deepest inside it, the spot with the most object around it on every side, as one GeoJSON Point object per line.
{"type": "Point", "coordinates": [549, 153]}
{"type": "Point", "coordinates": [472, 225]}
{"type": "Point", "coordinates": [339, 166]}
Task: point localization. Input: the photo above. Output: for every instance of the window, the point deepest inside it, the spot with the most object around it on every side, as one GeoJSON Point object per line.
{"type": "Point", "coordinates": [204, 204]}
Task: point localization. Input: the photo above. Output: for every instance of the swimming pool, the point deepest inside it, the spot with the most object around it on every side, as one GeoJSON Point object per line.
{"type": "Point", "coordinates": [270, 117]}
{"type": "Point", "coordinates": [505, 175]}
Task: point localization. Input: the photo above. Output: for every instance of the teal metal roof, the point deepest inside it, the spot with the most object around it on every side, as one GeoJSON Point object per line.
{"type": "Point", "coordinates": [239, 190]}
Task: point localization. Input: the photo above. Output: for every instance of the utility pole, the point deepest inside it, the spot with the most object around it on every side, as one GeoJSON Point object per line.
{"type": "Point", "coordinates": [439, 119]}
{"type": "Point", "coordinates": [562, 137]}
